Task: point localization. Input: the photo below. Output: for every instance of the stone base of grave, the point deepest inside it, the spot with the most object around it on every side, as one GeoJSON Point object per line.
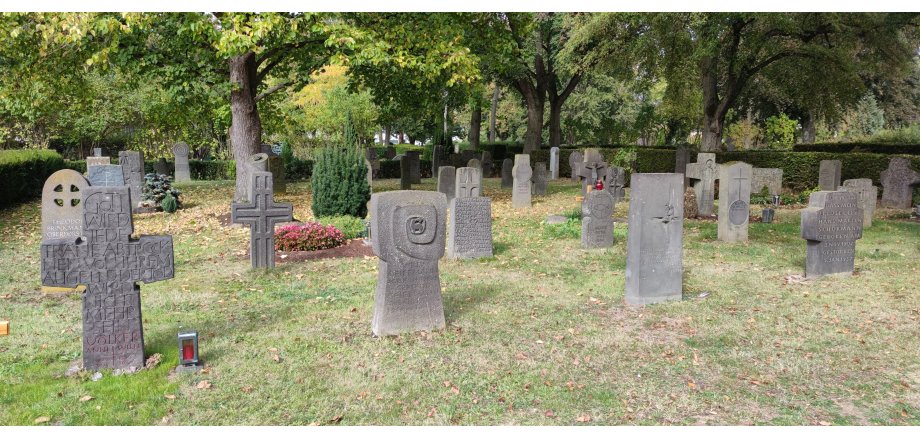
{"type": "Point", "coordinates": [185, 369]}
{"type": "Point", "coordinates": [408, 298]}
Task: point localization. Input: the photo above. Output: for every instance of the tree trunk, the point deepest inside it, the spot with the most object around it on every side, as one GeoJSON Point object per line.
{"type": "Point", "coordinates": [808, 128]}
{"type": "Point", "coordinates": [386, 136]}
{"type": "Point", "coordinates": [401, 137]}
{"type": "Point", "coordinates": [475, 125]}
{"type": "Point", "coordinates": [555, 123]}
{"type": "Point", "coordinates": [492, 112]}
{"type": "Point", "coordinates": [712, 119]}
{"type": "Point", "coordinates": [246, 127]}
{"type": "Point", "coordinates": [534, 101]}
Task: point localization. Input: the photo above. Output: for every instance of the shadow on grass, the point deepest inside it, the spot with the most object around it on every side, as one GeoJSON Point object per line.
{"type": "Point", "coordinates": [499, 248]}
{"type": "Point", "coordinates": [462, 300]}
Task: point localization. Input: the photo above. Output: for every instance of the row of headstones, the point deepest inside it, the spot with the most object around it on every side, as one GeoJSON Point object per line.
{"type": "Point", "coordinates": [898, 181]}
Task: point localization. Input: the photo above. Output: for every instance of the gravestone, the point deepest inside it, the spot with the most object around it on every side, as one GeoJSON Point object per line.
{"type": "Point", "coordinates": [507, 178]}
{"type": "Point", "coordinates": [703, 175]}
{"type": "Point", "coordinates": [616, 181]}
{"type": "Point", "coordinates": [831, 225]}
{"type": "Point", "coordinates": [771, 178]}
{"type": "Point", "coordinates": [109, 263]}
{"type": "Point", "coordinates": [62, 211]}
{"type": "Point", "coordinates": [370, 153]}
{"type": "Point", "coordinates": [390, 152]}
{"type": "Point", "coordinates": [575, 160]}
{"type": "Point", "coordinates": [475, 163]}
{"type": "Point", "coordinates": [97, 152]}
{"type": "Point", "coordinates": [105, 175]}
{"type": "Point", "coordinates": [520, 195]}
{"type": "Point", "coordinates": [654, 242]}
{"type": "Point", "coordinates": [436, 153]}
{"type": "Point", "coordinates": [597, 220]}
{"type": "Point", "coordinates": [132, 166]}
{"type": "Point", "coordinates": [447, 181]}
{"type": "Point", "coordinates": [540, 178]}
{"type": "Point", "coordinates": [467, 155]}
{"type": "Point", "coordinates": [682, 158]}
{"type": "Point", "coordinates": [554, 162]}
{"type": "Point", "coordinates": [255, 163]}
{"type": "Point", "coordinates": [408, 229]}
{"type": "Point", "coordinates": [898, 182]}
{"type": "Point", "coordinates": [734, 201]}
{"type": "Point", "coordinates": [405, 171]}
{"type": "Point", "coordinates": [487, 164]}
{"type": "Point", "coordinates": [415, 166]}
{"type": "Point", "coordinates": [97, 161]}
{"type": "Point", "coordinates": [275, 165]}
{"type": "Point", "coordinates": [592, 168]}
{"type": "Point", "coordinates": [468, 182]}
{"type": "Point", "coordinates": [829, 175]}
{"type": "Point", "coordinates": [183, 172]}
{"type": "Point", "coordinates": [469, 232]}
{"type": "Point", "coordinates": [161, 167]}
{"type": "Point", "coordinates": [866, 197]}
{"type": "Point", "coordinates": [261, 213]}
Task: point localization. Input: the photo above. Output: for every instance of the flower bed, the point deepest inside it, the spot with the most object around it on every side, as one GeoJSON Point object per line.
{"type": "Point", "coordinates": [309, 236]}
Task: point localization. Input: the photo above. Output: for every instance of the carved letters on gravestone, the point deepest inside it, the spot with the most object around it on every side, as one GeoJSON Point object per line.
{"type": "Point", "coordinates": [554, 162]}
{"type": "Point", "coordinates": [507, 178]}
{"type": "Point", "coordinates": [109, 263]}
{"type": "Point", "coordinates": [592, 168]}
{"type": "Point", "coordinates": [408, 229]}
{"type": "Point", "coordinates": [898, 182]}
{"type": "Point", "coordinates": [734, 201]}
{"type": "Point", "coordinates": [469, 233]}
{"type": "Point", "coordinates": [405, 172]}
{"type": "Point", "coordinates": [520, 195]}
{"type": "Point", "coordinates": [261, 213]}
{"type": "Point", "coordinates": [575, 160]}
{"type": "Point", "coordinates": [597, 219]}
{"type": "Point", "coordinates": [831, 225]}
{"type": "Point", "coordinates": [616, 181]}
{"type": "Point", "coordinates": [654, 270]}
{"type": "Point", "coordinates": [703, 175]}
{"type": "Point", "coordinates": [62, 211]}
{"type": "Point", "coordinates": [866, 197]}
{"type": "Point", "coordinates": [540, 177]}
{"type": "Point", "coordinates": [132, 166]}
{"type": "Point", "coordinates": [183, 172]}
{"type": "Point", "coordinates": [829, 175]}
{"type": "Point", "coordinates": [469, 182]}
{"type": "Point", "coordinates": [447, 181]}
{"type": "Point", "coordinates": [771, 178]}
{"type": "Point", "coordinates": [106, 175]}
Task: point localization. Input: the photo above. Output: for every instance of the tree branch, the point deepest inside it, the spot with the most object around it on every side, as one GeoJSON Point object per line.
{"type": "Point", "coordinates": [271, 90]}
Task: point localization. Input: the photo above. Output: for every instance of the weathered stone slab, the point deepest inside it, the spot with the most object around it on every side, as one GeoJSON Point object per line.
{"type": "Point", "coordinates": [487, 164]}
{"type": "Point", "coordinates": [592, 168]}
{"type": "Point", "coordinates": [97, 161]}
{"type": "Point", "coordinates": [109, 263]}
{"type": "Point", "coordinates": [654, 242]}
{"type": "Point", "coordinates": [105, 175]}
{"type": "Point", "coordinates": [161, 167]}
{"type": "Point", "coordinates": [520, 195]}
{"type": "Point", "coordinates": [898, 182]}
{"type": "Point", "coordinates": [734, 201]}
{"type": "Point", "coordinates": [681, 159]}
{"type": "Point", "coordinates": [475, 163]}
{"type": "Point", "coordinates": [468, 182]}
{"type": "Point", "coordinates": [831, 225]}
{"type": "Point", "coordinates": [866, 197]}
{"type": "Point", "coordinates": [447, 181]}
{"type": "Point", "coordinates": [415, 166]}
{"type": "Point", "coordinates": [97, 152]}
{"type": "Point", "coordinates": [261, 213]}
{"type": "Point", "coordinates": [62, 209]}
{"type": "Point", "coordinates": [469, 232]}
{"type": "Point", "coordinates": [183, 172]}
{"type": "Point", "coordinates": [132, 166]}
{"type": "Point", "coordinates": [408, 229]}
{"type": "Point", "coordinates": [390, 152]}
{"type": "Point", "coordinates": [771, 178]}
{"type": "Point", "coordinates": [554, 162]}
{"type": "Point", "coordinates": [575, 160]}
{"type": "Point", "coordinates": [540, 178]}
{"type": "Point", "coordinates": [829, 175]}
{"type": "Point", "coordinates": [507, 178]}
{"type": "Point", "coordinates": [616, 182]}
{"type": "Point", "coordinates": [703, 175]}
{"type": "Point", "coordinates": [405, 172]}
{"type": "Point", "coordinates": [597, 220]}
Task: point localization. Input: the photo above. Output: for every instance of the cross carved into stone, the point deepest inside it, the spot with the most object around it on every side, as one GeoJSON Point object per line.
{"type": "Point", "coordinates": [668, 215]}
{"type": "Point", "coordinates": [261, 213]}
{"type": "Point", "coordinates": [467, 183]}
{"type": "Point", "coordinates": [67, 195]}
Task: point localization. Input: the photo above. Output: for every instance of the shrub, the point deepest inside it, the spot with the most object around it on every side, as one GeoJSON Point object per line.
{"type": "Point", "coordinates": [170, 204]}
{"type": "Point", "coordinates": [157, 187]}
{"type": "Point", "coordinates": [310, 236]}
{"type": "Point", "coordinates": [340, 182]}
{"type": "Point", "coordinates": [25, 171]}
{"type": "Point", "coordinates": [350, 226]}
{"type": "Point", "coordinates": [875, 148]}
{"type": "Point", "coordinates": [779, 132]}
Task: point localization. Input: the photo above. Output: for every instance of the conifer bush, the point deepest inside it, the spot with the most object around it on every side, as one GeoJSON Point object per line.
{"type": "Point", "coordinates": [340, 180]}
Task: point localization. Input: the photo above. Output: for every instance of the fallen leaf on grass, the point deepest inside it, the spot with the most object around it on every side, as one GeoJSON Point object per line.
{"type": "Point", "coordinates": [794, 279]}
{"type": "Point", "coordinates": [153, 361]}
{"type": "Point", "coordinates": [824, 423]}
{"type": "Point", "coordinates": [276, 358]}
{"type": "Point", "coordinates": [246, 389]}
{"type": "Point", "coordinates": [204, 384]}
{"type": "Point", "coordinates": [41, 420]}
{"type": "Point", "coordinates": [170, 396]}
{"type": "Point", "coordinates": [336, 420]}
{"type": "Point", "coordinates": [520, 356]}
{"type": "Point", "coordinates": [549, 414]}
{"type": "Point", "coordinates": [86, 398]}
{"type": "Point", "coordinates": [583, 419]}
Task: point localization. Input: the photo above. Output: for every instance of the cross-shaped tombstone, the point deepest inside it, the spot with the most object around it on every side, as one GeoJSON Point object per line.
{"type": "Point", "coordinates": [469, 183]}
{"type": "Point", "coordinates": [831, 225]}
{"type": "Point", "coordinates": [703, 175]}
{"type": "Point", "coordinates": [898, 181]}
{"type": "Point", "coordinates": [592, 167]}
{"type": "Point", "coordinates": [109, 263]}
{"type": "Point", "coordinates": [615, 182]}
{"type": "Point", "coordinates": [261, 213]}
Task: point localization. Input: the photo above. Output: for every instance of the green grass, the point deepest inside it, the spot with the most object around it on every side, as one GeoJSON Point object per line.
{"type": "Point", "coordinates": [537, 334]}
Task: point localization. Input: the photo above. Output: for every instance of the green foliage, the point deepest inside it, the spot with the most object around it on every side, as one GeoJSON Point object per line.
{"type": "Point", "coordinates": [157, 187]}
{"type": "Point", "coordinates": [350, 226]}
{"type": "Point", "coordinates": [340, 182]}
{"type": "Point", "coordinates": [570, 229]}
{"type": "Point", "coordinates": [24, 173]}
{"type": "Point", "coordinates": [906, 135]}
{"type": "Point", "coordinates": [745, 133]}
{"type": "Point", "coordinates": [908, 148]}
{"type": "Point", "coordinates": [864, 120]}
{"type": "Point", "coordinates": [779, 132]}
{"type": "Point", "coordinates": [170, 204]}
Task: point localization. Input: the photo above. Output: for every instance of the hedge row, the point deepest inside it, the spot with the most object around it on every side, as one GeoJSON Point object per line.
{"type": "Point", "coordinates": [24, 173]}
{"type": "Point", "coordinates": [295, 169]}
{"type": "Point", "coordinates": [874, 148]}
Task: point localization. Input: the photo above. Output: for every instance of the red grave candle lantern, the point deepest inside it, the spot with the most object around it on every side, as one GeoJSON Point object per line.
{"type": "Point", "coordinates": [599, 185]}
{"type": "Point", "coordinates": [188, 348]}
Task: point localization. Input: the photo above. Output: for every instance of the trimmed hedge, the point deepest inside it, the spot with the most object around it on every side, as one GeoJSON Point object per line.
{"type": "Point", "coordinates": [872, 148]}
{"type": "Point", "coordinates": [25, 171]}
{"type": "Point", "coordinates": [390, 169]}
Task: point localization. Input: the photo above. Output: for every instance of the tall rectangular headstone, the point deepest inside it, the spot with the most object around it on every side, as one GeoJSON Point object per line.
{"type": "Point", "coordinates": [898, 182]}
{"type": "Point", "coordinates": [161, 167]}
{"type": "Point", "coordinates": [105, 175]}
{"type": "Point", "coordinates": [831, 225]}
{"type": "Point", "coordinates": [183, 172]}
{"type": "Point", "coordinates": [734, 201]}
{"type": "Point", "coordinates": [468, 183]}
{"type": "Point", "coordinates": [469, 232]}
{"type": "Point", "coordinates": [575, 160]}
{"type": "Point", "coordinates": [703, 175]}
{"type": "Point", "coordinates": [616, 183]}
{"type": "Point", "coordinates": [829, 175]}
{"type": "Point", "coordinates": [487, 164]}
{"type": "Point", "coordinates": [654, 242]}
{"type": "Point", "coordinates": [408, 229]}
{"type": "Point", "coordinates": [261, 213]}
{"type": "Point", "coordinates": [415, 166]}
{"type": "Point", "coordinates": [681, 159]}
{"type": "Point", "coordinates": [132, 165]}
{"type": "Point", "coordinates": [62, 208]}
{"type": "Point", "coordinates": [771, 178]}
{"type": "Point", "coordinates": [447, 179]}
{"type": "Point", "coordinates": [597, 220]}
{"type": "Point", "coordinates": [554, 162]}
{"type": "Point", "coordinates": [522, 173]}
{"type": "Point", "coordinates": [276, 167]}
{"type": "Point", "coordinates": [405, 172]}
{"type": "Point", "coordinates": [866, 197]}
{"type": "Point", "coordinates": [540, 178]}
{"type": "Point", "coordinates": [507, 177]}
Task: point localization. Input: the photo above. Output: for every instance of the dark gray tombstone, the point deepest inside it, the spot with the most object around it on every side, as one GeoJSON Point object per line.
{"type": "Point", "coordinates": [540, 178]}
{"type": "Point", "coordinates": [469, 231]}
{"type": "Point", "coordinates": [734, 201]}
{"type": "Point", "coordinates": [161, 167]}
{"type": "Point", "coordinates": [468, 183]}
{"type": "Point", "coordinates": [109, 263]}
{"type": "Point", "coordinates": [261, 213]}
{"type": "Point", "coordinates": [898, 181]}
{"type": "Point", "coordinates": [97, 161]}
{"type": "Point", "coordinates": [132, 166]}
{"type": "Point", "coordinates": [274, 164]}
{"type": "Point", "coordinates": [616, 183]}
{"type": "Point", "coordinates": [415, 166]}
{"type": "Point", "coordinates": [866, 197]}
{"type": "Point", "coordinates": [183, 172]}
{"type": "Point", "coordinates": [522, 173]}
{"type": "Point", "coordinates": [831, 225]}
{"type": "Point", "coordinates": [597, 220]}
{"type": "Point", "coordinates": [654, 242]}
{"type": "Point", "coordinates": [771, 178]}
{"type": "Point", "coordinates": [408, 229]}
{"type": "Point", "coordinates": [575, 160]}
{"type": "Point", "coordinates": [447, 181]}
{"type": "Point", "coordinates": [390, 152]}
{"type": "Point", "coordinates": [829, 175]}
{"type": "Point", "coordinates": [256, 163]}
{"type": "Point", "coordinates": [105, 175]}
{"type": "Point", "coordinates": [682, 158]}
{"type": "Point", "coordinates": [405, 172]}
{"type": "Point", "coordinates": [592, 168]}
{"type": "Point", "coordinates": [437, 157]}
{"type": "Point", "coordinates": [507, 178]}
{"type": "Point", "coordinates": [554, 162]}
{"type": "Point", "coordinates": [703, 175]}
{"type": "Point", "coordinates": [62, 209]}
{"type": "Point", "coordinates": [487, 164]}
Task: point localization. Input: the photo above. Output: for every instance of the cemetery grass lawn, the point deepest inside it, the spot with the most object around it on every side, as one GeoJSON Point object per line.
{"type": "Point", "coordinates": [538, 334]}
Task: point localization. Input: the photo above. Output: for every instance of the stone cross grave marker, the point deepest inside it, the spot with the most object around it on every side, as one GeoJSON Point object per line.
{"type": "Point", "coordinates": [866, 197]}
{"type": "Point", "coordinates": [771, 178]}
{"type": "Point", "coordinates": [408, 228]}
{"type": "Point", "coordinates": [468, 182]}
{"type": "Point", "coordinates": [405, 172]}
{"type": "Point", "coordinates": [507, 178]}
{"type": "Point", "coordinates": [898, 181]}
{"type": "Point", "coordinates": [62, 211]}
{"type": "Point", "coordinates": [597, 219]}
{"type": "Point", "coordinates": [831, 225]}
{"type": "Point", "coordinates": [520, 195]}
{"type": "Point", "coordinates": [540, 178]}
{"type": "Point", "coordinates": [109, 263]}
{"type": "Point", "coordinates": [734, 201]}
{"type": "Point", "coordinates": [829, 175]}
{"type": "Point", "coordinates": [261, 213]}
{"type": "Point", "coordinates": [554, 162]}
{"type": "Point", "coordinates": [106, 175]}
{"type": "Point", "coordinates": [615, 183]}
{"type": "Point", "coordinates": [654, 242]}
{"type": "Point", "coordinates": [487, 164]}
{"type": "Point", "coordinates": [447, 181]}
{"type": "Point", "coordinates": [592, 168]}
{"type": "Point", "coordinates": [703, 175]}
{"type": "Point", "coordinates": [132, 166]}
{"type": "Point", "coordinates": [575, 160]}
{"type": "Point", "coordinates": [681, 159]}
{"type": "Point", "coordinates": [183, 172]}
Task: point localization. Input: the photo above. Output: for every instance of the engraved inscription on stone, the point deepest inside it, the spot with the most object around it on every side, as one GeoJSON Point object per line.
{"type": "Point", "coordinates": [106, 175]}
{"type": "Point", "coordinates": [615, 183]}
{"type": "Point", "coordinates": [597, 219]}
{"type": "Point", "coordinates": [470, 228]}
{"type": "Point", "coordinates": [831, 225]}
{"type": "Point", "coordinates": [62, 209]}
{"type": "Point", "coordinates": [96, 161]}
